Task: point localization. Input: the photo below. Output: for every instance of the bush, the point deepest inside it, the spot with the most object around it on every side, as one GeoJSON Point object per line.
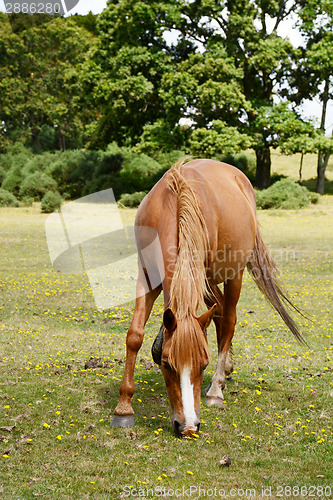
{"type": "Point", "coordinates": [40, 163]}
{"type": "Point", "coordinates": [138, 173]}
{"type": "Point", "coordinates": [62, 170]}
{"type": "Point", "coordinates": [132, 200]}
{"type": "Point", "coordinates": [2, 174]}
{"type": "Point", "coordinates": [7, 199]}
{"type": "Point", "coordinates": [12, 181]}
{"type": "Point", "coordinates": [286, 194]}
{"type": "Point", "coordinates": [16, 155]}
{"type": "Point", "coordinates": [122, 170]}
{"type": "Point", "coordinates": [27, 201]}
{"type": "Point", "coordinates": [36, 185]}
{"type": "Point", "coordinates": [51, 201]}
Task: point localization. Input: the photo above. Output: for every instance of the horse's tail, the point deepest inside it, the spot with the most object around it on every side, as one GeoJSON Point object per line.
{"type": "Point", "coordinates": [264, 272]}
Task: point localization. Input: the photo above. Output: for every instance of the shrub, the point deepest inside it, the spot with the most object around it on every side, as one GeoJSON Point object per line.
{"type": "Point", "coordinates": [286, 194]}
{"type": "Point", "coordinates": [36, 185]}
{"type": "Point", "coordinates": [2, 174]}
{"type": "Point", "coordinates": [7, 199]}
{"type": "Point", "coordinates": [51, 201]}
{"type": "Point", "coordinates": [62, 170]}
{"type": "Point", "coordinates": [166, 160]}
{"type": "Point", "coordinates": [138, 173]}
{"type": "Point", "coordinates": [16, 155]}
{"type": "Point", "coordinates": [98, 184]}
{"type": "Point", "coordinates": [27, 201]}
{"type": "Point", "coordinates": [122, 170]}
{"type": "Point", "coordinates": [132, 200]}
{"type": "Point", "coordinates": [40, 163]}
{"type": "Point", "coordinates": [12, 180]}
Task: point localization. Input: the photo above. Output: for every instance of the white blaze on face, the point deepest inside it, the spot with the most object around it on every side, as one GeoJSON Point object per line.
{"type": "Point", "coordinates": [187, 397]}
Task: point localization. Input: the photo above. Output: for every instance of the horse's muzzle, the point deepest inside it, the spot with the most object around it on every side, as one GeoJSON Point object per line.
{"type": "Point", "coordinates": [182, 430]}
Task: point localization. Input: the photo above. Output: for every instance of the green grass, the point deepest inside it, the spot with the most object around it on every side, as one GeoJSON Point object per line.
{"type": "Point", "coordinates": [55, 436]}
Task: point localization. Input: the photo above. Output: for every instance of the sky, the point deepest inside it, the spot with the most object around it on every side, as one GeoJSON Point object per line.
{"type": "Point", "coordinates": [310, 109]}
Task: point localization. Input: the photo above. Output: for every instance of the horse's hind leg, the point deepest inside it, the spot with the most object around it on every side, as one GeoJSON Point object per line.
{"type": "Point", "coordinates": [225, 327]}
{"type": "Point", "coordinates": [123, 414]}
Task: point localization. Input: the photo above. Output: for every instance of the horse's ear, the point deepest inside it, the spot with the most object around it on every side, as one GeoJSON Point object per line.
{"type": "Point", "coordinates": [169, 320]}
{"type": "Point", "coordinates": [206, 318]}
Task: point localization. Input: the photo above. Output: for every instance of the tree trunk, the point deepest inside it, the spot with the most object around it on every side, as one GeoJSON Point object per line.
{"type": "Point", "coordinates": [35, 140]}
{"type": "Point", "coordinates": [263, 172]}
{"type": "Point", "coordinates": [321, 168]}
{"type": "Point", "coordinates": [62, 141]}
{"type": "Point", "coordinates": [300, 169]}
{"type": "Point", "coordinates": [323, 157]}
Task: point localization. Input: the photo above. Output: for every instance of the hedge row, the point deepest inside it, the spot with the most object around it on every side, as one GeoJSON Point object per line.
{"type": "Point", "coordinates": [52, 177]}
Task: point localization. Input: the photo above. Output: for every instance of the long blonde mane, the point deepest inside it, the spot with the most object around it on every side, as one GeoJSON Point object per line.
{"type": "Point", "coordinates": [189, 284]}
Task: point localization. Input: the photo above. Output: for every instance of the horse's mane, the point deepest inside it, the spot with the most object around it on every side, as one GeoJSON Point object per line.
{"type": "Point", "coordinates": [189, 284]}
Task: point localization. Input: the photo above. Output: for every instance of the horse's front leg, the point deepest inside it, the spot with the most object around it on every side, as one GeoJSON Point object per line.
{"type": "Point", "coordinates": [226, 326]}
{"type": "Point", "coordinates": [123, 414]}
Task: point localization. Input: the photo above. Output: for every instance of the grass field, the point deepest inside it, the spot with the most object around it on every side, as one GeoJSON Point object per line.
{"type": "Point", "coordinates": [55, 434]}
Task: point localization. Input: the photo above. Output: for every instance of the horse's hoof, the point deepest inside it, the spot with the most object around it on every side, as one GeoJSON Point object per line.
{"type": "Point", "coordinates": [122, 421]}
{"type": "Point", "coordinates": [211, 401]}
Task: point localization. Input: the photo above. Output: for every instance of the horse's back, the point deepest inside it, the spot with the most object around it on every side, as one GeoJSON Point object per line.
{"type": "Point", "coordinates": [226, 199]}
{"type": "Point", "coordinates": [208, 178]}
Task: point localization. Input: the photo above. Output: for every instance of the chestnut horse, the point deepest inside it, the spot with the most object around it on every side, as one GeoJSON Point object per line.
{"type": "Point", "coordinates": [204, 213]}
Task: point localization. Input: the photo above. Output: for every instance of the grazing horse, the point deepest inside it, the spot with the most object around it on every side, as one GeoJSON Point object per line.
{"type": "Point", "coordinates": [204, 213]}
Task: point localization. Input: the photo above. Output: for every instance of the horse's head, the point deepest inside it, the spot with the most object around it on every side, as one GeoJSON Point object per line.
{"type": "Point", "coordinates": [183, 360]}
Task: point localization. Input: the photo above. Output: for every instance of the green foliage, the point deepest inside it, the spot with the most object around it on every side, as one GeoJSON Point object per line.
{"type": "Point", "coordinates": [40, 162]}
{"type": "Point", "coordinates": [84, 81]}
{"type": "Point", "coordinates": [51, 201]}
{"type": "Point", "coordinates": [124, 171]}
{"type": "Point", "coordinates": [218, 141]}
{"type": "Point", "coordinates": [27, 201]}
{"type": "Point", "coordinates": [138, 172]}
{"type": "Point", "coordinates": [65, 171]}
{"type": "Point", "coordinates": [12, 180]}
{"type": "Point", "coordinates": [39, 88]}
{"type": "Point", "coordinates": [132, 200]}
{"type": "Point", "coordinates": [7, 199]}
{"type": "Point", "coordinates": [283, 125]}
{"type": "Point", "coordinates": [47, 140]}
{"type": "Point", "coordinates": [165, 160]}
{"type": "Point", "coordinates": [21, 21]}
{"type": "Point", "coordinates": [285, 194]}
{"type": "Point", "coordinates": [36, 185]}
{"type": "Point", "coordinates": [160, 137]}
{"type": "Point", "coordinates": [16, 155]}
{"type": "Point", "coordinates": [89, 22]}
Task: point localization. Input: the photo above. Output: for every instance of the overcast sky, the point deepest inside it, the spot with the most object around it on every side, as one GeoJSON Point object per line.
{"type": "Point", "coordinates": [311, 109]}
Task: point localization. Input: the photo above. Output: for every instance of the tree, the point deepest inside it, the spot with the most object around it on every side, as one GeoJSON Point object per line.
{"type": "Point", "coordinates": [314, 77]}
{"type": "Point", "coordinates": [12, 84]}
{"type": "Point", "coordinates": [123, 76]}
{"type": "Point", "coordinates": [39, 83]}
{"type": "Point", "coordinates": [241, 29]}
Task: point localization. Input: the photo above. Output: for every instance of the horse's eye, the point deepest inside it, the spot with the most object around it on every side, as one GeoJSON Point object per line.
{"type": "Point", "coordinates": [166, 365]}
